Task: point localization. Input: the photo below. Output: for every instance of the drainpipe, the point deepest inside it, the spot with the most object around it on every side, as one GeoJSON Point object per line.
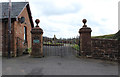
{"type": "Point", "coordinates": [9, 30]}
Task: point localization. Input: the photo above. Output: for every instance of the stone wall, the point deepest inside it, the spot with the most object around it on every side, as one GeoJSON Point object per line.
{"type": "Point", "coordinates": [98, 48]}
{"type": "Point", "coordinates": [37, 40]}
{"type": "Point", "coordinates": [104, 48]}
{"type": "Point", "coordinates": [85, 39]}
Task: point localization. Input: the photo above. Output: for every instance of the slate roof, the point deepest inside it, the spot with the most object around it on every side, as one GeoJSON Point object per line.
{"type": "Point", "coordinates": [17, 8]}
{"type": "Point", "coordinates": [15, 11]}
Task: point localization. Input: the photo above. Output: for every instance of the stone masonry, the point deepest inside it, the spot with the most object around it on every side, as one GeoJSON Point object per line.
{"type": "Point", "coordinates": [85, 39]}
{"type": "Point", "coordinates": [37, 41]}
{"type": "Point", "coordinates": [104, 47]}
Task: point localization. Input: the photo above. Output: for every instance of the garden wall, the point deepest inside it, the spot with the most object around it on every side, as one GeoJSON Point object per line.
{"type": "Point", "coordinates": [104, 48]}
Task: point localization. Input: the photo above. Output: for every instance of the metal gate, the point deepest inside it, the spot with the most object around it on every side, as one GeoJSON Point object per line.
{"type": "Point", "coordinates": [64, 50]}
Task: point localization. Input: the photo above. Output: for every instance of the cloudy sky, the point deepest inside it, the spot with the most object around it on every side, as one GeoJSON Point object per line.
{"type": "Point", "coordinates": [64, 17]}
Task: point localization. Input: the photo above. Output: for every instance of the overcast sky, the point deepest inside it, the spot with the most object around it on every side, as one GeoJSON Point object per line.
{"type": "Point", "coordinates": [64, 17]}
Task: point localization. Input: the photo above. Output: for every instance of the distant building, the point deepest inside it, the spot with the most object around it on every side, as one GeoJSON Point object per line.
{"type": "Point", "coordinates": [21, 25]}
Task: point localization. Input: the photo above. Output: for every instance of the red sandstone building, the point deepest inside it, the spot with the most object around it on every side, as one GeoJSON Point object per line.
{"type": "Point", "coordinates": [21, 25]}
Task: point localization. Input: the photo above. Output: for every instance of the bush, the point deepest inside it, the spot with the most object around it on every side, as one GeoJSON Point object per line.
{"type": "Point", "coordinates": [76, 47]}
{"type": "Point", "coordinates": [29, 50]}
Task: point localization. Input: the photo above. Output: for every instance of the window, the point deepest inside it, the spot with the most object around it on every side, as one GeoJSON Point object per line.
{"type": "Point", "coordinates": [25, 34]}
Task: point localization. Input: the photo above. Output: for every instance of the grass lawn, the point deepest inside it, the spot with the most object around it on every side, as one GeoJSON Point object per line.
{"type": "Point", "coordinates": [110, 36]}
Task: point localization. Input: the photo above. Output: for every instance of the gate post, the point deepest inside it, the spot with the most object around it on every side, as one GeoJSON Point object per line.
{"type": "Point", "coordinates": [37, 40]}
{"type": "Point", "coordinates": [85, 39]}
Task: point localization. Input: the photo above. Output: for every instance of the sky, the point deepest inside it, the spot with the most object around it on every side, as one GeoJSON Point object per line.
{"type": "Point", "coordinates": [63, 18]}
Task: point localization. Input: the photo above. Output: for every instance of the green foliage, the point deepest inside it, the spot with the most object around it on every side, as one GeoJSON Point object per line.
{"type": "Point", "coordinates": [110, 36]}
{"type": "Point", "coordinates": [117, 35]}
{"type": "Point", "coordinates": [29, 50]}
{"type": "Point", "coordinates": [76, 47]}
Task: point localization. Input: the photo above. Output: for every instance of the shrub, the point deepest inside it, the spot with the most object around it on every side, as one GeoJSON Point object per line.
{"type": "Point", "coordinates": [76, 47]}
{"type": "Point", "coordinates": [29, 50]}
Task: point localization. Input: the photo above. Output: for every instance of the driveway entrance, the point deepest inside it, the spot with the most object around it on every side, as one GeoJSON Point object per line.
{"type": "Point", "coordinates": [65, 50]}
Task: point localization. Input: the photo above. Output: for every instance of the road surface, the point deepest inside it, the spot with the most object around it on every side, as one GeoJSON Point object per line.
{"type": "Point", "coordinates": [67, 64]}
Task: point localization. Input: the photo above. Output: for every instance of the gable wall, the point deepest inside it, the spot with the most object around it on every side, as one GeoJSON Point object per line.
{"type": "Point", "coordinates": [19, 32]}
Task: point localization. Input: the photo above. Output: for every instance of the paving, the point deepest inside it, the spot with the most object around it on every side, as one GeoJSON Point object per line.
{"type": "Point", "coordinates": [57, 64]}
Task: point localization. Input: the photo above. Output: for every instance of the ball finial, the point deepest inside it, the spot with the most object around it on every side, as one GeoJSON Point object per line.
{"type": "Point", "coordinates": [84, 21]}
{"type": "Point", "coordinates": [37, 21]}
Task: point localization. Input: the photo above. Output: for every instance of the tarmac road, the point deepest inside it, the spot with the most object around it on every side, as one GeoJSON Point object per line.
{"type": "Point", "coordinates": [57, 65]}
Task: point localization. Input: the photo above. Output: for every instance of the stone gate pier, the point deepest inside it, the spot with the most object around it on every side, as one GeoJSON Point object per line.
{"type": "Point", "coordinates": [37, 41]}
{"type": "Point", "coordinates": [85, 39]}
